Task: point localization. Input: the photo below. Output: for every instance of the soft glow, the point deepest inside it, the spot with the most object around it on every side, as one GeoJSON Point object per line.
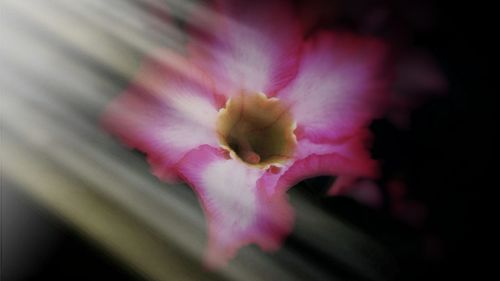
{"type": "Point", "coordinates": [283, 107]}
{"type": "Point", "coordinates": [62, 62]}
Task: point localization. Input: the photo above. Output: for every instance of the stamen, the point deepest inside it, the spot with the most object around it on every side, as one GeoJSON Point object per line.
{"type": "Point", "coordinates": [246, 152]}
{"type": "Point", "coordinates": [250, 157]}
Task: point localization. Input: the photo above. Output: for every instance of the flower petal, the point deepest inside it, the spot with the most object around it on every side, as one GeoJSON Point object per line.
{"type": "Point", "coordinates": [254, 46]}
{"type": "Point", "coordinates": [342, 184]}
{"type": "Point", "coordinates": [339, 87]}
{"type": "Point", "coordinates": [237, 212]}
{"type": "Point", "coordinates": [320, 165]}
{"type": "Point", "coordinates": [167, 111]}
{"type": "Point", "coordinates": [347, 159]}
{"type": "Point", "coordinates": [365, 191]}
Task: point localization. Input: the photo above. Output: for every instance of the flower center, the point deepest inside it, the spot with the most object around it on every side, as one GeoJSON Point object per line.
{"type": "Point", "coordinates": [257, 129]}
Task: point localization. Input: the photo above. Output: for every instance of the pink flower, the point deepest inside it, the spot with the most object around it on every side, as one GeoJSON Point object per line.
{"type": "Point", "coordinates": [251, 111]}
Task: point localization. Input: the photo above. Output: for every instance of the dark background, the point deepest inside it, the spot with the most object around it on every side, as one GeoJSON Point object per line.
{"type": "Point", "coordinates": [444, 157]}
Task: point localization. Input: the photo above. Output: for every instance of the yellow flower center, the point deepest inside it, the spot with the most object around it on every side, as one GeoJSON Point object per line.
{"type": "Point", "coordinates": [257, 129]}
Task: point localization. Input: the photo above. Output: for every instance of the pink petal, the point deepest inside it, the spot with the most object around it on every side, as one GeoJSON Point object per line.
{"type": "Point", "coordinates": [354, 146]}
{"type": "Point", "coordinates": [342, 185]}
{"type": "Point", "coordinates": [320, 165]}
{"type": "Point", "coordinates": [417, 78]}
{"type": "Point", "coordinates": [346, 159]}
{"type": "Point", "coordinates": [238, 213]}
{"type": "Point", "coordinates": [365, 191]}
{"type": "Point", "coordinates": [167, 111]}
{"type": "Point", "coordinates": [252, 46]}
{"type": "Point", "coordinates": [355, 150]}
{"type": "Point", "coordinates": [339, 87]}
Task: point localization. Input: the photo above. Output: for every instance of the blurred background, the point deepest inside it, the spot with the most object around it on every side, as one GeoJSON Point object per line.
{"type": "Point", "coordinates": [78, 205]}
